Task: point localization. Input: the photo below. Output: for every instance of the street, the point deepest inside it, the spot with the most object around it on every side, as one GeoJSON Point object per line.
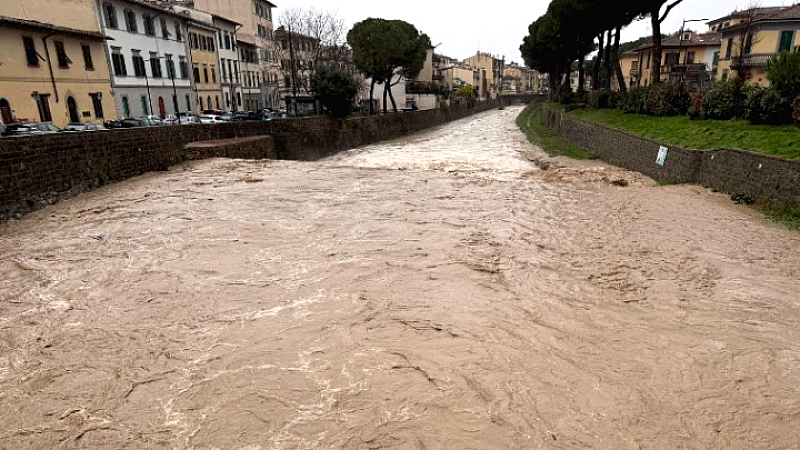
{"type": "Point", "coordinates": [439, 291]}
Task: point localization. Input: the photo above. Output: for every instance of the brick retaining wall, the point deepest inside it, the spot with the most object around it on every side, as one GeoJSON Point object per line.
{"type": "Point", "coordinates": [763, 177]}
{"type": "Point", "coordinates": [40, 170]}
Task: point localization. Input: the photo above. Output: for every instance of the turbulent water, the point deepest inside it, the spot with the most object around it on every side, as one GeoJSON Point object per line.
{"type": "Point", "coordinates": [435, 292]}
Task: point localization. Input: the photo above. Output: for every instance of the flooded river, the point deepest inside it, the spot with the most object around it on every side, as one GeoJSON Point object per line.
{"type": "Point", "coordinates": [434, 292]}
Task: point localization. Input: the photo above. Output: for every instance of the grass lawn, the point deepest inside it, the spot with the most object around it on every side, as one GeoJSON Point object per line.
{"type": "Point", "coordinates": [781, 141]}
{"type": "Point", "coordinates": [529, 121]}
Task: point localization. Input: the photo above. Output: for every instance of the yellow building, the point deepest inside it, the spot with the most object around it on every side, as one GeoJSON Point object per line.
{"type": "Point", "coordinates": [690, 57]}
{"type": "Point", "coordinates": [750, 38]}
{"type": "Point", "coordinates": [492, 73]}
{"type": "Point", "coordinates": [629, 63]}
{"type": "Point", "coordinates": [54, 67]}
{"type": "Point", "coordinates": [203, 52]}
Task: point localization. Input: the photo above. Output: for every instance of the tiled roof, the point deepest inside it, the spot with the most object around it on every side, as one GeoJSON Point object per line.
{"type": "Point", "coordinates": [790, 13]}
{"type": "Point", "coordinates": [697, 40]}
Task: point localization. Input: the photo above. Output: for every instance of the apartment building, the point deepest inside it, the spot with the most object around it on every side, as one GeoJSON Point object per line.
{"type": "Point", "coordinates": [53, 63]}
{"type": "Point", "coordinates": [250, 72]}
{"type": "Point", "coordinates": [228, 60]}
{"type": "Point", "coordinates": [492, 73]}
{"type": "Point", "coordinates": [256, 19]}
{"type": "Point", "coordinates": [149, 58]}
{"type": "Point", "coordinates": [750, 38]}
{"type": "Point", "coordinates": [518, 79]}
{"type": "Point", "coordinates": [690, 57]}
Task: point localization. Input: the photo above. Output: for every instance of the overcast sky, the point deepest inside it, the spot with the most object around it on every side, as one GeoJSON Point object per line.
{"type": "Point", "coordinates": [463, 30]}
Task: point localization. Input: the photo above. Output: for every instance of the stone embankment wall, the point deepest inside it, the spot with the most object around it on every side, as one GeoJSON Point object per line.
{"type": "Point", "coordinates": [763, 177]}
{"type": "Point", "coordinates": [40, 170]}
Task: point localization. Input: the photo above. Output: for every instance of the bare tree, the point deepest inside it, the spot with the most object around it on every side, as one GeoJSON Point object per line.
{"type": "Point", "coordinates": [745, 37]}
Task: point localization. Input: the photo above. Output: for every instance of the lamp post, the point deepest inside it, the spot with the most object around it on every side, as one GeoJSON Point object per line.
{"type": "Point", "coordinates": [680, 42]}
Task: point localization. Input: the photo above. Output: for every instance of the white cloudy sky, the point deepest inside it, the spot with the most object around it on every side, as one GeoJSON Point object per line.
{"type": "Point", "coordinates": [462, 30]}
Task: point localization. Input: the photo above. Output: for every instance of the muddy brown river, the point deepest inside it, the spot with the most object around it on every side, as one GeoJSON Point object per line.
{"type": "Point", "coordinates": [434, 292]}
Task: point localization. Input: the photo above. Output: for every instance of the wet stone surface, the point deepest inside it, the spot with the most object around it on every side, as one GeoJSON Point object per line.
{"type": "Point", "coordinates": [435, 292]}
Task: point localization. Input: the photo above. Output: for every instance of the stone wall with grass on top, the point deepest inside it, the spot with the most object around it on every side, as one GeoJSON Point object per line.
{"type": "Point", "coordinates": [764, 178]}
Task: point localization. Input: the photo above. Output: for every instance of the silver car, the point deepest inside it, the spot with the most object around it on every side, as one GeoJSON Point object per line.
{"type": "Point", "coordinates": [85, 127]}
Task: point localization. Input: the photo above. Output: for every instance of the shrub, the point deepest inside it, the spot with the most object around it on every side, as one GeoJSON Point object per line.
{"type": "Point", "coordinates": [603, 99]}
{"type": "Point", "coordinates": [667, 100]}
{"type": "Point", "coordinates": [336, 89]}
{"type": "Point", "coordinates": [767, 106]}
{"type": "Point", "coordinates": [633, 101]}
{"type": "Point", "coordinates": [796, 109]}
{"type": "Point", "coordinates": [565, 95]}
{"type": "Point", "coordinates": [783, 71]}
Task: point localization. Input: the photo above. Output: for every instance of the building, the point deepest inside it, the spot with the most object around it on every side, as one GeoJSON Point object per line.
{"type": "Point", "coordinates": [228, 62]}
{"type": "Point", "coordinates": [249, 68]}
{"type": "Point", "coordinates": [299, 56]}
{"type": "Point", "coordinates": [518, 79]}
{"type": "Point", "coordinates": [492, 77]}
{"type": "Point", "coordinates": [53, 63]}
{"type": "Point", "coordinates": [205, 60]}
{"type": "Point", "coordinates": [460, 75]}
{"type": "Point", "coordinates": [148, 56]}
{"type": "Point", "coordinates": [629, 63]}
{"type": "Point", "coordinates": [750, 38]}
{"type": "Point", "coordinates": [690, 58]}
{"type": "Point", "coordinates": [256, 31]}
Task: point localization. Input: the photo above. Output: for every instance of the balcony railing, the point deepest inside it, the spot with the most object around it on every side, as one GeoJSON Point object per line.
{"type": "Point", "coordinates": [751, 60]}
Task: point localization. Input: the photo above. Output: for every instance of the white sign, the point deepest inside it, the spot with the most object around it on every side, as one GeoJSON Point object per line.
{"type": "Point", "coordinates": [662, 156]}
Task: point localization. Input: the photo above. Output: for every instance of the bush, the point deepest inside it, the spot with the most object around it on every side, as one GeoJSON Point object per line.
{"type": "Point", "coordinates": [633, 101]}
{"type": "Point", "coordinates": [783, 71]}
{"type": "Point", "coordinates": [667, 100]}
{"type": "Point", "coordinates": [603, 99]}
{"type": "Point", "coordinates": [336, 89]}
{"type": "Point", "coordinates": [721, 100]}
{"type": "Point", "coordinates": [767, 106]}
{"type": "Point", "coordinates": [565, 95]}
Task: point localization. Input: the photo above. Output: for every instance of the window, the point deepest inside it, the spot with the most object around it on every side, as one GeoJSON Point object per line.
{"type": "Point", "coordinates": [715, 62]}
{"type": "Point", "coordinates": [130, 21]}
{"type": "Point", "coordinates": [227, 41]}
{"type": "Point", "coordinates": [202, 107]}
{"type": "Point", "coordinates": [236, 69]}
{"type": "Point", "coordinates": [205, 73]}
{"type": "Point", "coordinates": [30, 52]}
{"type": "Point", "coordinates": [216, 100]}
{"type": "Point", "coordinates": [126, 107]}
{"type": "Point", "coordinates": [175, 103]}
{"type": "Point", "coordinates": [164, 30]}
{"type": "Point", "coordinates": [227, 100]}
{"type": "Point", "coordinates": [170, 67]}
{"type": "Point", "coordinates": [239, 99]}
{"type": "Point", "coordinates": [87, 57]}
{"type": "Point", "coordinates": [145, 109]}
{"type": "Point", "coordinates": [690, 58]}
{"type": "Point", "coordinates": [193, 41]}
{"type": "Point", "coordinates": [203, 43]}
{"type": "Point", "coordinates": [230, 72]}
{"type": "Point", "coordinates": [748, 44]}
{"type": "Point", "coordinates": [178, 31]}
{"type": "Point", "coordinates": [138, 65]}
{"type": "Point", "coordinates": [43, 105]}
{"type": "Point", "coordinates": [287, 81]}
{"type": "Point", "coordinates": [785, 44]}
{"type": "Point", "coordinates": [118, 61]}
{"type": "Point", "coordinates": [729, 49]}
{"type": "Point", "coordinates": [184, 67]}
{"type": "Point", "coordinates": [213, 74]}
{"type": "Point", "coordinates": [149, 25]}
{"type": "Point", "coordinates": [97, 104]}
{"type": "Point", "coordinates": [155, 65]}
{"type": "Point", "coordinates": [222, 69]}
{"type": "Point", "coordinates": [285, 44]}
{"type": "Point", "coordinates": [212, 46]}
{"type": "Point", "coordinates": [110, 14]}
{"type": "Point", "coordinates": [196, 72]}
{"type": "Point", "coordinates": [671, 59]}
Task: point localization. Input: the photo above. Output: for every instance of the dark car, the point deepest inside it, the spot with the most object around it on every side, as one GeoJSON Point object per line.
{"type": "Point", "coordinates": [240, 116]}
{"type": "Point", "coordinates": [84, 127]}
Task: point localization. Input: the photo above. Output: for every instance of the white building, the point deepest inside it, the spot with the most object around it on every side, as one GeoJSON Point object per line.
{"type": "Point", "coordinates": [148, 57]}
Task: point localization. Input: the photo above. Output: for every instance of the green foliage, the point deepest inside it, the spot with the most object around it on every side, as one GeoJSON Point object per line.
{"type": "Point", "coordinates": [565, 96]}
{"type": "Point", "coordinates": [467, 94]}
{"type": "Point", "coordinates": [767, 106]}
{"type": "Point", "coordinates": [783, 71]}
{"type": "Point", "coordinates": [335, 88]}
{"type": "Point", "coordinates": [603, 98]}
{"type": "Point", "coordinates": [702, 134]}
{"type": "Point", "coordinates": [790, 217]}
{"type": "Point", "coordinates": [633, 102]}
{"type": "Point", "coordinates": [718, 100]}
{"type": "Point", "coordinates": [667, 99]}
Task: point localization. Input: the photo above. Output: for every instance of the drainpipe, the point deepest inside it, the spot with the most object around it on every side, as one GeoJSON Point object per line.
{"type": "Point", "coordinates": [50, 65]}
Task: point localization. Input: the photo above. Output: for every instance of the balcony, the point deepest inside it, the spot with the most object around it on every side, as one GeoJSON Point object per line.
{"type": "Point", "coordinates": [751, 60]}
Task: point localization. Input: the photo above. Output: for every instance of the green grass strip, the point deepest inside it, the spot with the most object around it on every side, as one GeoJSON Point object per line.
{"type": "Point", "coordinates": [783, 141]}
{"type": "Point", "coordinates": [530, 122]}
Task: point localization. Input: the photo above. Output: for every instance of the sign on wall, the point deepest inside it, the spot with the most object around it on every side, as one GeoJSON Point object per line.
{"type": "Point", "coordinates": [662, 156]}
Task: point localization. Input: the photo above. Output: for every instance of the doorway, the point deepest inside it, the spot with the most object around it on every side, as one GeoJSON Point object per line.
{"type": "Point", "coordinates": [74, 117]}
{"type": "Point", "coordinates": [162, 109]}
{"type": "Point", "coordinates": [5, 111]}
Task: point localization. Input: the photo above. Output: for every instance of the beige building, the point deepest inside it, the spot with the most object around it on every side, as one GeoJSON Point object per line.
{"type": "Point", "coordinates": [691, 57]}
{"type": "Point", "coordinates": [53, 63]}
{"type": "Point", "coordinates": [519, 79]}
{"type": "Point", "coordinates": [492, 73]}
{"type": "Point", "coordinates": [629, 63]}
{"type": "Point", "coordinates": [752, 37]}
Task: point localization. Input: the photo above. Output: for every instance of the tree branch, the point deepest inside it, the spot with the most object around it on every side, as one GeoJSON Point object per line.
{"type": "Point", "coordinates": [669, 8]}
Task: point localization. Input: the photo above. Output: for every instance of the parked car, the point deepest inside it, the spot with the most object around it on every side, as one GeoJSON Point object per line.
{"type": "Point", "coordinates": [213, 112]}
{"type": "Point", "coordinates": [85, 127]}
{"type": "Point", "coordinates": [210, 118]}
{"type": "Point", "coordinates": [239, 116]}
{"type": "Point", "coordinates": [30, 128]}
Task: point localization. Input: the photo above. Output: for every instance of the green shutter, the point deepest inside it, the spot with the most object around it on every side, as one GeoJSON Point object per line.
{"type": "Point", "coordinates": [786, 41]}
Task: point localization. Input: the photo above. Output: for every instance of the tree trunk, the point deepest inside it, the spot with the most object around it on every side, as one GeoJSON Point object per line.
{"type": "Point", "coordinates": [623, 89]}
{"type": "Point", "coordinates": [391, 96]}
{"type": "Point", "coordinates": [598, 63]}
{"type": "Point", "coordinates": [581, 75]}
{"type": "Point", "coordinates": [371, 95]}
{"type": "Point", "coordinates": [655, 68]}
{"type": "Point", "coordinates": [385, 95]}
{"type": "Point", "coordinates": [607, 63]}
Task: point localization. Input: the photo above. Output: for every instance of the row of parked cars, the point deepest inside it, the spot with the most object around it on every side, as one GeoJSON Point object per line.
{"type": "Point", "coordinates": [208, 116]}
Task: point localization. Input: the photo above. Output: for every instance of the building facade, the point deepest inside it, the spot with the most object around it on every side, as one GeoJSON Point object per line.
{"type": "Point", "coordinates": [53, 65]}
{"type": "Point", "coordinates": [690, 57]}
{"type": "Point", "coordinates": [228, 59]}
{"type": "Point", "coordinates": [248, 72]}
{"type": "Point", "coordinates": [751, 38]}
{"type": "Point", "coordinates": [149, 59]}
{"type": "Point", "coordinates": [492, 77]}
{"type": "Point", "coordinates": [206, 77]}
